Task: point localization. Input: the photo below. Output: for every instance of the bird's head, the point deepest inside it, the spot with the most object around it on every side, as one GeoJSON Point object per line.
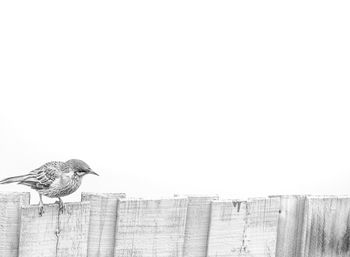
{"type": "Point", "coordinates": [80, 168]}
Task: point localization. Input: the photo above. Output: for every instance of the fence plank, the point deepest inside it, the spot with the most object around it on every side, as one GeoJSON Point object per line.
{"type": "Point", "coordinates": [262, 223]}
{"type": "Point", "coordinates": [226, 231]}
{"type": "Point", "coordinates": [326, 230]}
{"type": "Point", "coordinates": [148, 228]}
{"type": "Point", "coordinates": [52, 234]}
{"type": "Point", "coordinates": [197, 226]}
{"type": "Point", "coordinates": [10, 208]}
{"type": "Point", "coordinates": [103, 217]}
{"type": "Point", "coordinates": [243, 228]}
{"type": "Point", "coordinates": [290, 224]}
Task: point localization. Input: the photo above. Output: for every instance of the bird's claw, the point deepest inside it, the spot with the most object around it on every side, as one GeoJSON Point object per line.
{"type": "Point", "coordinates": [41, 210]}
{"type": "Point", "coordinates": [61, 206]}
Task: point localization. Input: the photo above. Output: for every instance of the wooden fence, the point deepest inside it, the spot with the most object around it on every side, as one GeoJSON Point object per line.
{"type": "Point", "coordinates": [107, 225]}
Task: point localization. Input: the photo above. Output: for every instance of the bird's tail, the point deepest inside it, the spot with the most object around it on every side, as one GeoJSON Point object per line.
{"type": "Point", "coordinates": [13, 179]}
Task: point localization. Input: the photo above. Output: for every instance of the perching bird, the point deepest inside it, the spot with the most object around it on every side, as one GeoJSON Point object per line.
{"type": "Point", "coordinates": [54, 179]}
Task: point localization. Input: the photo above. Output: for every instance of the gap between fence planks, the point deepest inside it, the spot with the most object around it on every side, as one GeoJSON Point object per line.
{"type": "Point", "coordinates": [10, 206]}
{"type": "Point", "coordinates": [103, 217]}
{"type": "Point", "coordinates": [53, 235]}
{"type": "Point", "coordinates": [150, 228]}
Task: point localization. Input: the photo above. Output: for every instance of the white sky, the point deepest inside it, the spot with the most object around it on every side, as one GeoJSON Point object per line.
{"type": "Point", "coordinates": [236, 98]}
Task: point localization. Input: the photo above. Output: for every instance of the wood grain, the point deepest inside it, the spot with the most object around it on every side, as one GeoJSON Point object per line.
{"type": "Point", "coordinates": [239, 228]}
{"type": "Point", "coordinates": [103, 217]}
{"type": "Point", "coordinates": [290, 225]}
{"type": "Point", "coordinates": [150, 228]}
{"type": "Point", "coordinates": [197, 225]}
{"type": "Point", "coordinates": [326, 230]}
{"type": "Point", "coordinates": [285, 226]}
{"type": "Point", "coordinates": [227, 228]}
{"type": "Point", "coordinates": [63, 235]}
{"type": "Point", "coordinates": [10, 210]}
{"type": "Point", "coordinates": [262, 223]}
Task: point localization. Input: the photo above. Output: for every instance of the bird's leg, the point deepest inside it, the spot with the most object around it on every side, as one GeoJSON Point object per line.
{"type": "Point", "coordinates": [60, 205]}
{"type": "Point", "coordinates": [41, 205]}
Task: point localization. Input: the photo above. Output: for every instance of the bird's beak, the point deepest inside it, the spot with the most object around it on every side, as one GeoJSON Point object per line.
{"type": "Point", "coordinates": [93, 172]}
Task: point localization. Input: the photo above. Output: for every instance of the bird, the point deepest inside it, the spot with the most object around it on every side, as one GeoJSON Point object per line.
{"type": "Point", "coordinates": [54, 179]}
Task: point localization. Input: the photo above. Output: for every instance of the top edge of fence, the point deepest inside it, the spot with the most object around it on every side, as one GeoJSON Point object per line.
{"type": "Point", "coordinates": [13, 193]}
{"type": "Point", "coordinates": [151, 199]}
{"type": "Point", "coordinates": [229, 200]}
{"type": "Point", "coordinates": [310, 196]}
{"type": "Point", "coordinates": [249, 199]}
{"type": "Point", "coordinates": [56, 205]}
{"type": "Point", "coordinates": [103, 194]}
{"type": "Point", "coordinates": [285, 196]}
{"type": "Point", "coordinates": [328, 196]}
{"type": "Point", "coordinates": [197, 196]}
{"type": "Point", "coordinates": [14, 196]}
{"type": "Point", "coordinates": [186, 196]}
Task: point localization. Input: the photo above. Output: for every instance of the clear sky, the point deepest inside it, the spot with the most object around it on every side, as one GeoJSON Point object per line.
{"type": "Point", "coordinates": [236, 98]}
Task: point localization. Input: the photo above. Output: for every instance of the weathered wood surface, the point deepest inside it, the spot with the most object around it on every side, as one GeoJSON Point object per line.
{"type": "Point", "coordinates": [226, 230]}
{"type": "Point", "coordinates": [308, 226]}
{"type": "Point", "coordinates": [197, 226]}
{"type": "Point", "coordinates": [290, 225]}
{"type": "Point", "coordinates": [103, 217]}
{"type": "Point", "coordinates": [10, 208]}
{"type": "Point", "coordinates": [150, 228]}
{"type": "Point", "coordinates": [239, 228]}
{"type": "Point", "coordinates": [261, 229]}
{"type": "Point", "coordinates": [326, 230]}
{"type": "Point", "coordinates": [63, 235]}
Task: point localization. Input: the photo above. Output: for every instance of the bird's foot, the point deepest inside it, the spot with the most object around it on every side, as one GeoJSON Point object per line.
{"type": "Point", "coordinates": [41, 209]}
{"type": "Point", "coordinates": [61, 206]}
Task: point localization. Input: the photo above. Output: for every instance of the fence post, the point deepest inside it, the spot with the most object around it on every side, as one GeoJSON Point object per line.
{"type": "Point", "coordinates": [10, 217]}
{"type": "Point", "coordinates": [150, 228]}
{"type": "Point", "coordinates": [103, 217]}
{"type": "Point", "coordinates": [63, 235]}
{"type": "Point", "coordinates": [197, 226]}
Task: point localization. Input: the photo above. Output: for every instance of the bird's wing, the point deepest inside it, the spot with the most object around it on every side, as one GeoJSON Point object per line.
{"type": "Point", "coordinates": [43, 176]}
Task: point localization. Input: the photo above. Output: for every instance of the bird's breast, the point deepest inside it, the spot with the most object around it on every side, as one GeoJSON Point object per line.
{"type": "Point", "coordinates": [63, 186]}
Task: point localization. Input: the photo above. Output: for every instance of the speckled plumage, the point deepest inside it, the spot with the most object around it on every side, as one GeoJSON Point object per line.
{"type": "Point", "coordinates": [54, 179]}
